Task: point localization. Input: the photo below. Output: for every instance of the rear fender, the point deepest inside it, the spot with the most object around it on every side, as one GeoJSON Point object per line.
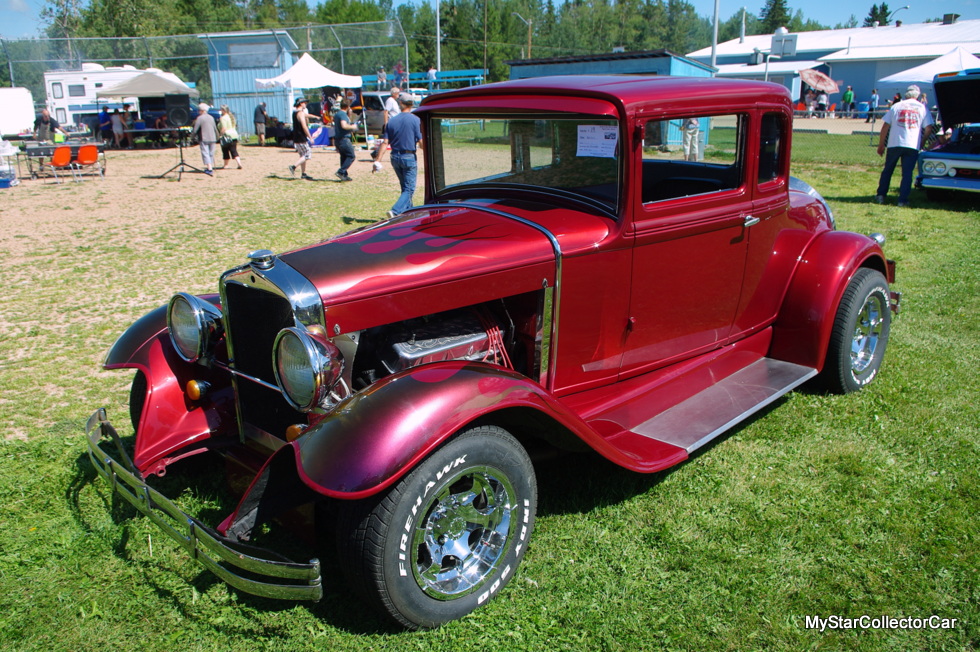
{"type": "Point", "coordinates": [378, 435]}
{"type": "Point", "coordinates": [801, 333]}
{"type": "Point", "coordinates": [169, 423]}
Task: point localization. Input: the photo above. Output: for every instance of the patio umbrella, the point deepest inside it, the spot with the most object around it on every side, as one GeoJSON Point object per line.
{"type": "Point", "coordinates": [818, 81]}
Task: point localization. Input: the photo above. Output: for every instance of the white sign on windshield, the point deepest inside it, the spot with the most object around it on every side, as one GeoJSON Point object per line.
{"type": "Point", "coordinates": [597, 140]}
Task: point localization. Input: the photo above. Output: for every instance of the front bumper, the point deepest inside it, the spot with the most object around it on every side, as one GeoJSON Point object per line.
{"type": "Point", "coordinates": [246, 568]}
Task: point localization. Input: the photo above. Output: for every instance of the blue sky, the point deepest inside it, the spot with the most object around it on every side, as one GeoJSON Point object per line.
{"type": "Point", "coordinates": [20, 17]}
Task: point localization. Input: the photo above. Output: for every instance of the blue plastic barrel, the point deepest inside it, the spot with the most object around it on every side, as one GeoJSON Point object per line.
{"type": "Point", "coordinates": [863, 109]}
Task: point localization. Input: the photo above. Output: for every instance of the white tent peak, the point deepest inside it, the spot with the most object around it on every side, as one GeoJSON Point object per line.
{"type": "Point", "coordinates": [308, 73]}
{"type": "Point", "coordinates": [955, 60]}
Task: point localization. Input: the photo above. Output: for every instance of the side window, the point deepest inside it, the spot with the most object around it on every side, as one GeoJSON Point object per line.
{"type": "Point", "coordinates": [772, 146]}
{"type": "Point", "coordinates": [76, 90]}
{"type": "Point", "coordinates": [692, 155]}
{"type": "Point", "coordinates": [57, 92]}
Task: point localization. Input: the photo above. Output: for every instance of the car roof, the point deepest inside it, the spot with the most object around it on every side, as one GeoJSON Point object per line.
{"type": "Point", "coordinates": [632, 93]}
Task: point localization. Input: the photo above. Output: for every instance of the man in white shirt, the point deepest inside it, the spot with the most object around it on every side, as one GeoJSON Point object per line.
{"type": "Point", "coordinates": [904, 126]}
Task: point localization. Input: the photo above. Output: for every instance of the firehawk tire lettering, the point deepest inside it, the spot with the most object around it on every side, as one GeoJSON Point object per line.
{"type": "Point", "coordinates": [464, 517]}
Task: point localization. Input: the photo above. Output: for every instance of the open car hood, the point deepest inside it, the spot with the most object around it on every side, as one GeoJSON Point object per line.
{"type": "Point", "coordinates": [956, 96]}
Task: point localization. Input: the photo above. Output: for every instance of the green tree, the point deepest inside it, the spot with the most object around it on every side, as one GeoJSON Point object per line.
{"type": "Point", "coordinates": [877, 14]}
{"type": "Point", "coordinates": [775, 14]}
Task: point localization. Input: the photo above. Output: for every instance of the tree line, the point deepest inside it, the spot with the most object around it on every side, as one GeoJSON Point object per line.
{"type": "Point", "coordinates": [474, 33]}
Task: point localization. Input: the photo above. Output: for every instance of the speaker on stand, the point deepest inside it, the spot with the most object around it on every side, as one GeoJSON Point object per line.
{"type": "Point", "coordinates": [178, 110]}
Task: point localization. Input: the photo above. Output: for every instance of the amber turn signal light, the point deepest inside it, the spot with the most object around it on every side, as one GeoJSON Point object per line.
{"type": "Point", "coordinates": [294, 431]}
{"type": "Point", "coordinates": [197, 389]}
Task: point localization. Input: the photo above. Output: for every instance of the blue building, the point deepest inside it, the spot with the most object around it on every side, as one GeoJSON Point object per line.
{"type": "Point", "coordinates": [237, 59]}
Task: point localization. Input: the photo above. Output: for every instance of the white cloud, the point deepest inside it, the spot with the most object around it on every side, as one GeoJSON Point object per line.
{"type": "Point", "coordinates": [20, 6]}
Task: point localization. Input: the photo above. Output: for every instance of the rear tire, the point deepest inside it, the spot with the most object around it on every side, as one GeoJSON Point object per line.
{"type": "Point", "coordinates": [860, 334]}
{"type": "Point", "coordinates": [448, 536]}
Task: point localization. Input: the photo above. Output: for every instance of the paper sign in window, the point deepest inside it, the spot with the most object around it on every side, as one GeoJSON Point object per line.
{"type": "Point", "coordinates": [597, 140]}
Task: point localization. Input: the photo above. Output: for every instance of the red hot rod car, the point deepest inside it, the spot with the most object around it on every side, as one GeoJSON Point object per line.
{"type": "Point", "coordinates": [620, 262]}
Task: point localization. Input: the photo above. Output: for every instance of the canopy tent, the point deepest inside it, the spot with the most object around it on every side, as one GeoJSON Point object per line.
{"type": "Point", "coordinates": [308, 73]}
{"type": "Point", "coordinates": [954, 61]}
{"type": "Point", "coordinates": [149, 84]}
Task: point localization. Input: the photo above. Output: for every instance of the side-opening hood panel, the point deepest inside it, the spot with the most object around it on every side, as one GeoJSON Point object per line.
{"type": "Point", "coordinates": [956, 96]}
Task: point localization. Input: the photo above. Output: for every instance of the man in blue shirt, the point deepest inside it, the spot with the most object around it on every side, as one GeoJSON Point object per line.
{"type": "Point", "coordinates": [405, 137]}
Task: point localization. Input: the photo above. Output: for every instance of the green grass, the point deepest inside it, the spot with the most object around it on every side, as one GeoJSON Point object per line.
{"type": "Point", "coordinates": [823, 505]}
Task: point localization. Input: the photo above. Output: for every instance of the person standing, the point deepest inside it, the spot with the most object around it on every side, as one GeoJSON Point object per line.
{"type": "Point", "coordinates": [342, 131]}
{"type": "Point", "coordinates": [430, 76]}
{"type": "Point", "coordinates": [904, 126]}
{"type": "Point", "coordinates": [228, 132]}
{"type": "Point", "coordinates": [118, 126]}
{"type": "Point", "coordinates": [873, 104]}
{"type": "Point", "coordinates": [822, 100]}
{"type": "Point", "coordinates": [405, 136]}
{"type": "Point", "coordinates": [391, 109]}
{"type": "Point", "coordinates": [400, 74]}
{"type": "Point", "coordinates": [207, 133]}
{"type": "Point", "coordinates": [847, 102]}
{"type": "Point", "coordinates": [301, 138]}
{"type": "Point", "coordinates": [105, 125]}
{"type": "Point", "coordinates": [259, 119]}
{"type": "Point", "coordinates": [690, 128]}
{"type": "Point", "coordinates": [45, 126]}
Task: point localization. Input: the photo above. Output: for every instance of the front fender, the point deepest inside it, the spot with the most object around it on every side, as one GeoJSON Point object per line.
{"type": "Point", "coordinates": [378, 435]}
{"type": "Point", "coordinates": [801, 333]}
{"type": "Point", "coordinates": [169, 423]}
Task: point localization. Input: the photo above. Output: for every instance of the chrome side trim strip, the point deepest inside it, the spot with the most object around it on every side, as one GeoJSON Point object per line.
{"type": "Point", "coordinates": [549, 357]}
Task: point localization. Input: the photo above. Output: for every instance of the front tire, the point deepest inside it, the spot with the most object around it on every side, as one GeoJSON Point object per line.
{"type": "Point", "coordinates": [447, 537]}
{"type": "Point", "coordinates": [860, 333]}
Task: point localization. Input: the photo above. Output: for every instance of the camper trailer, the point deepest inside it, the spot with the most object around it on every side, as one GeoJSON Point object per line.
{"type": "Point", "coordinates": [72, 93]}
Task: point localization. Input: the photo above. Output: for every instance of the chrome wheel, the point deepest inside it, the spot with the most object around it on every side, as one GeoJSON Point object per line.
{"type": "Point", "coordinates": [464, 533]}
{"type": "Point", "coordinates": [867, 333]}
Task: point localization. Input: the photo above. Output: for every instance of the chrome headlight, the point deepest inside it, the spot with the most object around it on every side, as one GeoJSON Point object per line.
{"type": "Point", "coordinates": [194, 324]}
{"type": "Point", "coordinates": [929, 167]}
{"type": "Point", "coordinates": [940, 168]}
{"type": "Point", "coordinates": [307, 368]}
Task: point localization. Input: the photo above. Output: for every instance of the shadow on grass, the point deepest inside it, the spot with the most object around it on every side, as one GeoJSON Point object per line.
{"type": "Point", "coordinates": [568, 484]}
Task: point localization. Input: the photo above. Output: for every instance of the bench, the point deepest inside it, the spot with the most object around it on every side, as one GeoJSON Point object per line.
{"type": "Point", "coordinates": [469, 77]}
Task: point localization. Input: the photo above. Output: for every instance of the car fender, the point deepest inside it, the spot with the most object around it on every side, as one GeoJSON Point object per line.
{"type": "Point", "coordinates": [801, 332]}
{"type": "Point", "coordinates": [169, 422]}
{"type": "Point", "coordinates": [378, 435]}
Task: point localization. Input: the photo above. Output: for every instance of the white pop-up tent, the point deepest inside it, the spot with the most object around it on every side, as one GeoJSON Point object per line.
{"type": "Point", "coordinates": [308, 73]}
{"type": "Point", "coordinates": [953, 61]}
{"type": "Point", "coordinates": [149, 84]}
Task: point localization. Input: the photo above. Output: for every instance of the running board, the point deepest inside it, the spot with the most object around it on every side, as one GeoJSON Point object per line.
{"type": "Point", "coordinates": [699, 419]}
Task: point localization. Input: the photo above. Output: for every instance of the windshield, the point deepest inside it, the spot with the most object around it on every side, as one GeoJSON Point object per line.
{"type": "Point", "coordinates": [575, 157]}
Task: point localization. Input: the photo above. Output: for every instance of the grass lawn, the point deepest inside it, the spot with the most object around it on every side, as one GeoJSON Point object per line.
{"type": "Point", "coordinates": [848, 506]}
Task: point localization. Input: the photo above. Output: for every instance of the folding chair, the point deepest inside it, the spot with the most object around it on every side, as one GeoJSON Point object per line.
{"type": "Point", "coordinates": [88, 156]}
{"type": "Point", "coordinates": [61, 160]}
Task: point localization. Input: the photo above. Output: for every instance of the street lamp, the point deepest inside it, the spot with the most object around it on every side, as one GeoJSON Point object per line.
{"type": "Point", "coordinates": [528, 23]}
{"type": "Point", "coordinates": [889, 18]}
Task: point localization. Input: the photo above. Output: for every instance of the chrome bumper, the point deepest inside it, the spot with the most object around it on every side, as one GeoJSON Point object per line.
{"type": "Point", "coordinates": [225, 558]}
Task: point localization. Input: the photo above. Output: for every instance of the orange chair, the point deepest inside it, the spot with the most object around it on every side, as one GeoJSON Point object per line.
{"type": "Point", "coordinates": [61, 160]}
{"type": "Point", "coordinates": [88, 156]}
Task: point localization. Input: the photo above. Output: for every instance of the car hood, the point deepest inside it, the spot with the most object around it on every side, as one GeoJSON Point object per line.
{"type": "Point", "coordinates": [956, 96]}
{"type": "Point", "coordinates": [430, 246]}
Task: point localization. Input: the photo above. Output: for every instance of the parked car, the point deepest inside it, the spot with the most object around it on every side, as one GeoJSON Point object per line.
{"type": "Point", "coordinates": [374, 109]}
{"type": "Point", "coordinates": [955, 164]}
{"type": "Point", "coordinates": [574, 280]}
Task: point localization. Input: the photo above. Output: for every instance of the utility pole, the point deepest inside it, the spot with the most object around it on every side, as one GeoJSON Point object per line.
{"type": "Point", "coordinates": [528, 23]}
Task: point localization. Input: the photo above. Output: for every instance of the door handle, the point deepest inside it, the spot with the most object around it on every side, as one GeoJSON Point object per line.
{"type": "Point", "coordinates": [750, 221]}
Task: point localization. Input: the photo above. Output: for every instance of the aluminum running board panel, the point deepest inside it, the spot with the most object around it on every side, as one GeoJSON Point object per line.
{"type": "Point", "coordinates": [699, 419]}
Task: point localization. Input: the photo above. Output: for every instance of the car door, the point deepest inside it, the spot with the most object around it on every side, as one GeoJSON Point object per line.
{"type": "Point", "coordinates": [689, 231]}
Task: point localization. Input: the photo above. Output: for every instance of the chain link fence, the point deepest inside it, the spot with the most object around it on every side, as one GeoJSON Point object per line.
{"type": "Point", "coordinates": [351, 48]}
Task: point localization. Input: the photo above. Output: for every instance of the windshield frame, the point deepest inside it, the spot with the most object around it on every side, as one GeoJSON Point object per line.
{"type": "Point", "coordinates": [563, 131]}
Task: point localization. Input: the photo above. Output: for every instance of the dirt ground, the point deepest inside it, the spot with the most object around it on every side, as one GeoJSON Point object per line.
{"type": "Point", "coordinates": [132, 190]}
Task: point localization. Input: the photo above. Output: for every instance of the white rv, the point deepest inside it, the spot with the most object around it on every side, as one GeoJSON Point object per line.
{"type": "Point", "coordinates": [71, 93]}
{"type": "Point", "coordinates": [17, 116]}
